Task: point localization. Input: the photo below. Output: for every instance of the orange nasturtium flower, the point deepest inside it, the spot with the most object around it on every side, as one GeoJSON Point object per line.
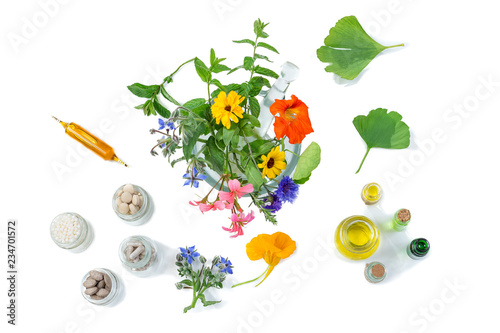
{"type": "Point", "coordinates": [271, 248]}
{"type": "Point", "coordinates": [291, 118]}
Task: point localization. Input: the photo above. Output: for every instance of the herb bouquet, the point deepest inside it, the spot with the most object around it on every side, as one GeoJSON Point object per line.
{"type": "Point", "coordinates": [223, 137]}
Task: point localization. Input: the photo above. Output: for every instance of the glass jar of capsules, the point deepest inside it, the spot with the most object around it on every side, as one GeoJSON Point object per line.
{"type": "Point", "coordinates": [371, 193]}
{"type": "Point", "coordinates": [132, 204]}
{"type": "Point", "coordinates": [139, 255]}
{"type": "Point", "coordinates": [111, 283]}
{"type": "Point", "coordinates": [70, 231]}
{"type": "Point", "coordinates": [357, 237]}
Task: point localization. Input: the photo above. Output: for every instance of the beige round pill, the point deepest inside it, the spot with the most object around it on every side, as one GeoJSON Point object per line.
{"type": "Point", "coordinates": [91, 291]}
{"type": "Point", "coordinates": [133, 208]}
{"type": "Point", "coordinates": [98, 276]}
{"type": "Point", "coordinates": [126, 197]}
{"type": "Point", "coordinates": [136, 200]}
{"type": "Point", "coordinates": [102, 293]}
{"type": "Point", "coordinates": [118, 201]}
{"type": "Point", "coordinates": [123, 208]}
{"type": "Point", "coordinates": [90, 282]}
{"type": "Point", "coordinates": [129, 188]}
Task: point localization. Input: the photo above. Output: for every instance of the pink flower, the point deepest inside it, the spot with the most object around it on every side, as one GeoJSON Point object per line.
{"type": "Point", "coordinates": [238, 222]}
{"type": "Point", "coordinates": [204, 207]}
{"type": "Point", "coordinates": [236, 190]}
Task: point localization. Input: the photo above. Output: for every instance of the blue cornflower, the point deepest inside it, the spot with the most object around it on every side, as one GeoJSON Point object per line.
{"type": "Point", "coordinates": [287, 190]}
{"type": "Point", "coordinates": [193, 178]}
{"type": "Point", "coordinates": [189, 253]}
{"type": "Point", "coordinates": [225, 265]}
{"type": "Point", "coordinates": [273, 203]}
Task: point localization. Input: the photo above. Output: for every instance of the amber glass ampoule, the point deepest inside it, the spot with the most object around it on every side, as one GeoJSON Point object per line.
{"type": "Point", "coordinates": [90, 141]}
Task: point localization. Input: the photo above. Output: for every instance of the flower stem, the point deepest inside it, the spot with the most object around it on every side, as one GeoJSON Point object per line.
{"type": "Point", "coordinates": [242, 283]}
{"type": "Point", "coordinates": [363, 161]}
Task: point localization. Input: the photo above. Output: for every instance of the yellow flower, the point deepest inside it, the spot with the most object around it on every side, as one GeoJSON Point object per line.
{"type": "Point", "coordinates": [227, 108]}
{"type": "Point", "coordinates": [271, 248]}
{"type": "Point", "coordinates": [273, 163]}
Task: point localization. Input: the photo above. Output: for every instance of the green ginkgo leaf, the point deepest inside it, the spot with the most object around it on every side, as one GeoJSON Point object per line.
{"type": "Point", "coordinates": [382, 130]}
{"type": "Point", "coordinates": [349, 49]}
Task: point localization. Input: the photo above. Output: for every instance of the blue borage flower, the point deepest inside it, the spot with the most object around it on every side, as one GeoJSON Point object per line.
{"type": "Point", "coordinates": [163, 124]}
{"type": "Point", "coordinates": [193, 178]}
{"type": "Point", "coordinates": [162, 145]}
{"type": "Point", "coordinates": [225, 265]}
{"type": "Point", "coordinates": [273, 203]}
{"type": "Point", "coordinates": [287, 190]}
{"type": "Point", "coordinates": [189, 253]}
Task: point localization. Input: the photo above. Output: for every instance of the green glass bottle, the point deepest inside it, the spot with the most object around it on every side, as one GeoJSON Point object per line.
{"type": "Point", "coordinates": [418, 248]}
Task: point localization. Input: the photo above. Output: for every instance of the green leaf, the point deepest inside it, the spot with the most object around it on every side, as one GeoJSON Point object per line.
{"type": "Point", "coordinates": [187, 282]}
{"type": "Point", "coordinates": [382, 130]}
{"type": "Point", "coordinates": [349, 49]}
{"type": "Point", "coordinates": [205, 302]}
{"type": "Point", "coordinates": [141, 90]}
{"type": "Point", "coordinates": [253, 120]}
{"type": "Point", "coordinates": [174, 162]}
{"type": "Point", "coordinates": [202, 70]}
{"type": "Point", "coordinates": [258, 28]}
{"type": "Point", "coordinates": [257, 82]}
{"type": "Point", "coordinates": [259, 56]}
{"type": "Point", "coordinates": [267, 46]}
{"type": "Point", "coordinates": [220, 68]}
{"type": "Point", "coordinates": [308, 161]}
{"type": "Point", "coordinates": [149, 108]}
{"type": "Point", "coordinates": [162, 111]}
{"type": "Point", "coordinates": [254, 176]}
{"type": "Point", "coordinates": [194, 103]}
{"type": "Point", "coordinates": [234, 69]}
{"type": "Point", "coordinates": [190, 138]}
{"type": "Point", "coordinates": [254, 107]}
{"type": "Point", "coordinates": [227, 134]}
{"type": "Point", "coordinates": [266, 72]}
{"type": "Point", "coordinates": [248, 63]}
{"type": "Point", "coordinates": [214, 155]}
{"type": "Point", "coordinates": [212, 57]}
{"type": "Point", "coordinates": [167, 96]}
{"type": "Point", "coordinates": [246, 41]}
{"type": "Point", "coordinates": [217, 83]}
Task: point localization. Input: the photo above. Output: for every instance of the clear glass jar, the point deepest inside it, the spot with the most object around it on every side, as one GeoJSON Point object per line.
{"type": "Point", "coordinates": [371, 193]}
{"type": "Point", "coordinates": [375, 272]}
{"type": "Point", "coordinates": [401, 219]}
{"type": "Point", "coordinates": [81, 240]}
{"type": "Point", "coordinates": [357, 237]}
{"type": "Point", "coordinates": [114, 291]}
{"type": "Point", "coordinates": [289, 73]}
{"type": "Point", "coordinates": [142, 215]}
{"type": "Point", "coordinates": [146, 262]}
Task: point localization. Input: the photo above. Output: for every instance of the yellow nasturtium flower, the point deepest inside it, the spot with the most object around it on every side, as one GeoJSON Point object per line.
{"type": "Point", "coordinates": [227, 108]}
{"type": "Point", "coordinates": [271, 248]}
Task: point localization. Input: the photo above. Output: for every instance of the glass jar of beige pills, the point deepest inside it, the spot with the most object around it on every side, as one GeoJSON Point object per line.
{"type": "Point", "coordinates": [139, 255]}
{"type": "Point", "coordinates": [71, 232]}
{"type": "Point", "coordinates": [100, 286]}
{"type": "Point", "coordinates": [132, 204]}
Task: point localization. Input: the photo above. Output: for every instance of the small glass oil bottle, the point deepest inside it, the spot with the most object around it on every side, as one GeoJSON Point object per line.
{"type": "Point", "coordinates": [371, 193]}
{"type": "Point", "coordinates": [357, 237]}
{"type": "Point", "coordinates": [418, 248]}
{"type": "Point", "coordinates": [375, 272]}
{"type": "Point", "coordinates": [401, 219]}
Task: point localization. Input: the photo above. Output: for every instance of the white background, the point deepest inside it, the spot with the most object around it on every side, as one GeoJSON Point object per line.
{"type": "Point", "coordinates": [76, 65]}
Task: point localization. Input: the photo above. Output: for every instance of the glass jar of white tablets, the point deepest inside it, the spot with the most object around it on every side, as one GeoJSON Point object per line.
{"type": "Point", "coordinates": [132, 204]}
{"type": "Point", "coordinates": [139, 255]}
{"type": "Point", "coordinates": [70, 231]}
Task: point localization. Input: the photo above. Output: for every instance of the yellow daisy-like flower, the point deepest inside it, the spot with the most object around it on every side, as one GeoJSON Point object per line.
{"type": "Point", "coordinates": [273, 163]}
{"type": "Point", "coordinates": [227, 108]}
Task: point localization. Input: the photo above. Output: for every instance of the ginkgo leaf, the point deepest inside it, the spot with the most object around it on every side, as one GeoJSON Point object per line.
{"type": "Point", "coordinates": [349, 49]}
{"type": "Point", "coordinates": [382, 130]}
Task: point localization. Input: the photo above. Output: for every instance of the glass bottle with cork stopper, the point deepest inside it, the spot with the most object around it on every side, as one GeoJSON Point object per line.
{"type": "Point", "coordinates": [371, 193]}
{"type": "Point", "coordinates": [401, 219]}
{"type": "Point", "coordinates": [375, 272]}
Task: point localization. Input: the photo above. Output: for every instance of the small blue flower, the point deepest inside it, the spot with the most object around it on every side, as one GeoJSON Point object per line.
{"type": "Point", "coordinates": [161, 123]}
{"type": "Point", "coordinates": [287, 190]}
{"type": "Point", "coordinates": [171, 125]}
{"type": "Point", "coordinates": [225, 265]}
{"type": "Point", "coordinates": [193, 178]}
{"type": "Point", "coordinates": [189, 253]}
{"type": "Point", "coordinates": [273, 203]}
{"type": "Point", "coordinates": [163, 144]}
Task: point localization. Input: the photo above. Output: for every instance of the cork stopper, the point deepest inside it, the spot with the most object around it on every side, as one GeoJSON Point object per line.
{"type": "Point", "coordinates": [404, 215]}
{"type": "Point", "coordinates": [378, 270]}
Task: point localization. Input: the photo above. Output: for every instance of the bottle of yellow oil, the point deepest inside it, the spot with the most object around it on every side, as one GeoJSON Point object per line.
{"type": "Point", "coordinates": [357, 237]}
